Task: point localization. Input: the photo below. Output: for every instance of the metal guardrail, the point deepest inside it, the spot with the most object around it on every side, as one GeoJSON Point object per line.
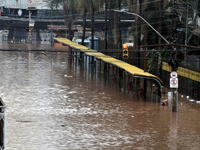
{"type": "Point", "coordinates": [187, 73]}
{"type": "Point", "coordinates": [2, 125]}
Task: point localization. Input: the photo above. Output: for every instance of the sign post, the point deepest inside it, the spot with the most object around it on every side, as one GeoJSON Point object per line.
{"type": "Point", "coordinates": [30, 27]}
{"type": "Point", "coordinates": [31, 6]}
{"type": "Point", "coordinates": [174, 86]}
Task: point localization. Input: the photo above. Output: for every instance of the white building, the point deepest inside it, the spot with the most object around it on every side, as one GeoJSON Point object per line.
{"type": "Point", "coordinates": [12, 6]}
{"type": "Point", "coordinates": [23, 4]}
{"type": "Point", "coordinates": [15, 4]}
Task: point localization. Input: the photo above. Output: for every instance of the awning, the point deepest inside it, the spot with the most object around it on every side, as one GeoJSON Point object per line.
{"type": "Point", "coordinates": [135, 71]}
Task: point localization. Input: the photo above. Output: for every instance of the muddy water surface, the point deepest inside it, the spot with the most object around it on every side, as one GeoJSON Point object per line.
{"type": "Point", "coordinates": [55, 104]}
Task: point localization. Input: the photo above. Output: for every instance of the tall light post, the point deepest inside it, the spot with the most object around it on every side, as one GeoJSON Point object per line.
{"type": "Point", "coordinates": [122, 11]}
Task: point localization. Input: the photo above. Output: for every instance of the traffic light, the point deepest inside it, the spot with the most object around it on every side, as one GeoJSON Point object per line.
{"type": "Point", "coordinates": [125, 51]}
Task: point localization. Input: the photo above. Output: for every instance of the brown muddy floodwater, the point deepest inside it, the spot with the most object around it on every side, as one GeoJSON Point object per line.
{"type": "Point", "coordinates": [47, 110]}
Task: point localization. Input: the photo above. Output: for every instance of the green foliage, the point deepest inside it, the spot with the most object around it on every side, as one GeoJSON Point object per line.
{"type": "Point", "coordinates": [153, 62]}
{"type": "Point", "coordinates": [68, 6]}
{"type": "Point", "coordinates": [195, 86]}
{"type": "Point", "coordinates": [152, 14]}
{"type": "Point", "coordinates": [55, 4]}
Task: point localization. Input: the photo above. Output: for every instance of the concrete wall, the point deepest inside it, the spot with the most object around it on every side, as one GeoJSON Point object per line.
{"type": "Point", "coordinates": [17, 4]}
{"type": "Point", "coordinates": [21, 4]}
{"type": "Point", "coordinates": [2, 3]}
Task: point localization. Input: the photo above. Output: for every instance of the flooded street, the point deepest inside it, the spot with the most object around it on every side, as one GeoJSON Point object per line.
{"type": "Point", "coordinates": [56, 104]}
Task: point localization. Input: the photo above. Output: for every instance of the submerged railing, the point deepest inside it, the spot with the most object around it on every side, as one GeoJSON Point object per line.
{"type": "Point", "coordinates": [2, 125]}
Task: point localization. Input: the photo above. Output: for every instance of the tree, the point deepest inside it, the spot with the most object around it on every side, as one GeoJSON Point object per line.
{"type": "Point", "coordinates": [161, 19]}
{"type": "Point", "coordinates": [84, 8]}
{"type": "Point", "coordinates": [119, 39]}
{"type": "Point", "coordinates": [106, 16]}
{"type": "Point", "coordinates": [92, 22]}
{"type": "Point", "coordinates": [117, 24]}
{"type": "Point", "coordinates": [68, 11]}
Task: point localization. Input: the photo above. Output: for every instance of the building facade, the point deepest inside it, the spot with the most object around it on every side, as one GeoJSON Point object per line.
{"type": "Point", "coordinates": [20, 8]}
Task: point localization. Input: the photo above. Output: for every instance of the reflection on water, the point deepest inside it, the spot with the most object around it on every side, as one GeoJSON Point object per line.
{"type": "Point", "coordinates": [48, 110]}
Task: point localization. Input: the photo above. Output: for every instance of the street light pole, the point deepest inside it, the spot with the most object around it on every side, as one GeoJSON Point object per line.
{"type": "Point", "coordinates": [122, 11]}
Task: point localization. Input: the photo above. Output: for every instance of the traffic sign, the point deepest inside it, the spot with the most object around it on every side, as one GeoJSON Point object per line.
{"type": "Point", "coordinates": [34, 3]}
{"type": "Point", "coordinates": [44, 54]}
{"type": "Point", "coordinates": [173, 82]}
{"type": "Point", "coordinates": [31, 23]}
{"type": "Point", "coordinates": [173, 74]}
{"type": "Point", "coordinates": [31, 27]}
{"type": "Point", "coordinates": [30, 1]}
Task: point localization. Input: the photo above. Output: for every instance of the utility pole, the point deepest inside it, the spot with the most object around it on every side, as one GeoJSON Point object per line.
{"type": "Point", "coordinates": [119, 27]}
{"type": "Point", "coordinates": [173, 62]}
{"type": "Point", "coordinates": [29, 34]}
{"type": "Point", "coordinates": [186, 35]}
{"type": "Point", "coordinates": [92, 24]}
{"type": "Point", "coordinates": [145, 60]}
{"type": "Point", "coordinates": [106, 38]}
{"type": "Point", "coordinates": [51, 28]}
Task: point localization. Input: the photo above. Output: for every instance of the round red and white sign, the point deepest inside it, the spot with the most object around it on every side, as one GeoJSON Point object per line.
{"type": "Point", "coordinates": [173, 74]}
{"type": "Point", "coordinates": [173, 82]}
{"type": "Point", "coordinates": [30, 1]}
